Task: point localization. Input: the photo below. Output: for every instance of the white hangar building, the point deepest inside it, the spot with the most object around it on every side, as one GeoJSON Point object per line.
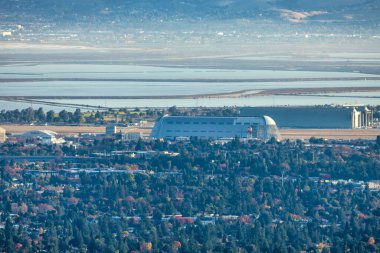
{"type": "Point", "coordinates": [45, 136]}
{"type": "Point", "coordinates": [172, 127]}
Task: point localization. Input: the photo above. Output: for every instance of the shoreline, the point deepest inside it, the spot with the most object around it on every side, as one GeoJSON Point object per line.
{"type": "Point", "coordinates": [82, 102]}
{"type": "Point", "coordinates": [190, 80]}
{"type": "Point", "coordinates": [232, 94]}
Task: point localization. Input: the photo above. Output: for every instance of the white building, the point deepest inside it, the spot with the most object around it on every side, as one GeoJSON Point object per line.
{"type": "Point", "coordinates": [356, 119]}
{"type": "Point", "coordinates": [7, 34]}
{"type": "Point", "coordinates": [367, 118]}
{"type": "Point", "coordinates": [374, 185]}
{"type": "Point", "coordinates": [172, 127]}
{"type": "Point", "coordinates": [133, 136]}
{"type": "Point", "coordinates": [45, 136]}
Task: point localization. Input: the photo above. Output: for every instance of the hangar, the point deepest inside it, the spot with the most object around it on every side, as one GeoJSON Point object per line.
{"type": "Point", "coordinates": [318, 117]}
{"type": "Point", "coordinates": [172, 127]}
{"type": "Point", "coordinates": [45, 136]}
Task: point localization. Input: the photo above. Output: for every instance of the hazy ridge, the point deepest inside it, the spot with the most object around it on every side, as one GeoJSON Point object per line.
{"type": "Point", "coordinates": [116, 10]}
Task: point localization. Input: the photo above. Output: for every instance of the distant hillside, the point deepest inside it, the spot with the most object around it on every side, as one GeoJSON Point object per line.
{"type": "Point", "coordinates": [289, 10]}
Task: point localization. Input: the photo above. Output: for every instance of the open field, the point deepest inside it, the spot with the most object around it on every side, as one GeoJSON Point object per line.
{"type": "Point", "coordinates": [285, 133]}
{"type": "Point", "coordinates": [346, 134]}
{"type": "Point", "coordinates": [64, 130]}
{"type": "Point", "coordinates": [68, 130]}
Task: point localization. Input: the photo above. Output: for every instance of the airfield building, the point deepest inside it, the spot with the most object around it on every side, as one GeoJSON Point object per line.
{"type": "Point", "coordinates": [173, 127]}
{"type": "Point", "coordinates": [111, 130]}
{"type": "Point", "coordinates": [315, 117]}
{"type": "Point", "coordinates": [45, 136]}
{"type": "Point", "coordinates": [133, 136]}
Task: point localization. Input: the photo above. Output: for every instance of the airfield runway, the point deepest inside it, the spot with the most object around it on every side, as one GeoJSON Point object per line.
{"type": "Point", "coordinates": [346, 134]}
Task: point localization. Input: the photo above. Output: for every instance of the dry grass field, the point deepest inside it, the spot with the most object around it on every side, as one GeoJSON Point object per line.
{"type": "Point", "coordinates": [346, 134]}
{"type": "Point", "coordinates": [64, 130]}
{"type": "Point", "coordinates": [285, 133]}
{"type": "Point", "coordinates": [67, 130]}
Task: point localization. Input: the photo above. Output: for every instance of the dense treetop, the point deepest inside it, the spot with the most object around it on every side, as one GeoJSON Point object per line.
{"type": "Point", "coordinates": [197, 196]}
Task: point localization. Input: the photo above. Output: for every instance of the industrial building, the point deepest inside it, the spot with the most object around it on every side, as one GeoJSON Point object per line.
{"type": "Point", "coordinates": [172, 127]}
{"type": "Point", "coordinates": [111, 130]}
{"type": "Point", "coordinates": [322, 117]}
{"type": "Point", "coordinates": [133, 136]}
{"type": "Point", "coordinates": [45, 136]}
{"type": "Point", "coordinates": [2, 135]}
